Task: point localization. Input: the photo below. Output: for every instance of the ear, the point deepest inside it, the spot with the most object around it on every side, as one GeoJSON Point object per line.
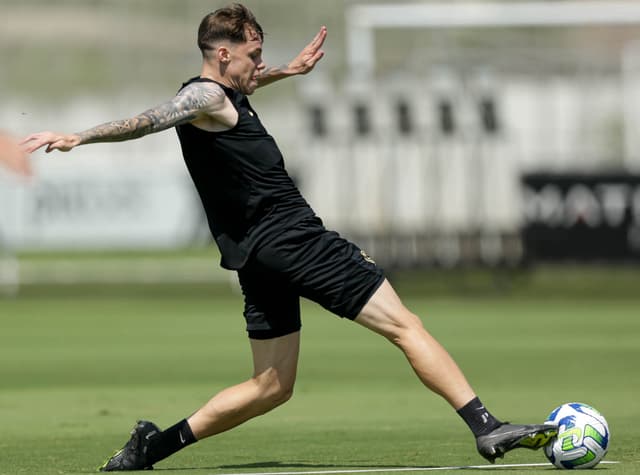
{"type": "Point", "coordinates": [223, 55]}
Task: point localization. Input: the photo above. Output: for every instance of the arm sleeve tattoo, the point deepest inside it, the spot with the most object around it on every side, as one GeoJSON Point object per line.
{"type": "Point", "coordinates": [184, 107]}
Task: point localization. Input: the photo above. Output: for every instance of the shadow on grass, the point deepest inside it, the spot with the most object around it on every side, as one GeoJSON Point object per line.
{"type": "Point", "coordinates": [306, 465]}
{"type": "Point", "coordinates": [292, 465]}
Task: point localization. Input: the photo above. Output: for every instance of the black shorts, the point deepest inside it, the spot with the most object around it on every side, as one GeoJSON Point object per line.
{"type": "Point", "coordinates": [305, 261]}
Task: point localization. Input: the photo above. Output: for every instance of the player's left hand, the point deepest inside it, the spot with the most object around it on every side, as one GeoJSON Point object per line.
{"type": "Point", "coordinates": [53, 141]}
{"type": "Point", "coordinates": [310, 54]}
{"type": "Point", "coordinates": [13, 156]}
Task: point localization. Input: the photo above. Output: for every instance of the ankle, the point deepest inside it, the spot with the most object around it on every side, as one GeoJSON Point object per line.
{"type": "Point", "coordinates": [169, 441]}
{"type": "Point", "coordinates": [478, 418]}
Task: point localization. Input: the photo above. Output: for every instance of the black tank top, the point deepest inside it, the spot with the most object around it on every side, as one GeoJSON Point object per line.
{"type": "Point", "coordinates": [240, 176]}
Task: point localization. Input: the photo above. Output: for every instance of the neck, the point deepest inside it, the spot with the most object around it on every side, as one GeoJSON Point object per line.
{"type": "Point", "coordinates": [210, 72]}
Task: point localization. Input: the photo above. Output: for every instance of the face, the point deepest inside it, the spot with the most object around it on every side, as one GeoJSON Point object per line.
{"type": "Point", "coordinates": [245, 63]}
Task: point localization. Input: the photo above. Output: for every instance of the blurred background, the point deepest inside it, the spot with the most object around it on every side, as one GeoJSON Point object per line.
{"type": "Point", "coordinates": [474, 137]}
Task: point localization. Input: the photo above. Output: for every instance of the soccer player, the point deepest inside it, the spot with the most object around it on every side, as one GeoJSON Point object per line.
{"type": "Point", "coordinates": [280, 249]}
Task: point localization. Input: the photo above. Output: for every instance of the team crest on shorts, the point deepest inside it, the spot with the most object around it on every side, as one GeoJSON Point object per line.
{"type": "Point", "coordinates": [366, 257]}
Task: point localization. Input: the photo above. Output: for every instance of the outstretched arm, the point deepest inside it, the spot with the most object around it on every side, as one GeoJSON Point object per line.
{"type": "Point", "coordinates": [194, 101]}
{"type": "Point", "coordinates": [301, 64]}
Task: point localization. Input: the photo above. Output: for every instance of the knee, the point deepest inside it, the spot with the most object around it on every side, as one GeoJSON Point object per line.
{"type": "Point", "coordinates": [404, 328]}
{"type": "Point", "coordinates": [275, 389]}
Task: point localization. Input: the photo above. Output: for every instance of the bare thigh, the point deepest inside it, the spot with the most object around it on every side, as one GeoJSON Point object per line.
{"type": "Point", "coordinates": [278, 357]}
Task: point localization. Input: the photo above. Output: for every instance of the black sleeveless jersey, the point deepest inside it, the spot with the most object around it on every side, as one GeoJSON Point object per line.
{"type": "Point", "coordinates": [242, 182]}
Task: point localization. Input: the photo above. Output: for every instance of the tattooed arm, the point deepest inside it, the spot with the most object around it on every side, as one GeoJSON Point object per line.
{"type": "Point", "coordinates": [301, 64]}
{"type": "Point", "coordinates": [193, 102]}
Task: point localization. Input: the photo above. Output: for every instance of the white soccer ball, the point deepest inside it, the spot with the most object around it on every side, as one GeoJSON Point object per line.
{"type": "Point", "coordinates": [583, 436]}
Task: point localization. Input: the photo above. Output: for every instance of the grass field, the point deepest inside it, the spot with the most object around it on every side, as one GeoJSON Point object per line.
{"type": "Point", "coordinates": [75, 373]}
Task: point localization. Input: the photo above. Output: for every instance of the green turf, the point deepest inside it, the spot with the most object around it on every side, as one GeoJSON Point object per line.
{"type": "Point", "coordinates": [76, 373]}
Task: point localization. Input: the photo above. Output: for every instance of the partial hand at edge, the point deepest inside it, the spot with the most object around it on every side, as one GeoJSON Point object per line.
{"type": "Point", "coordinates": [13, 156]}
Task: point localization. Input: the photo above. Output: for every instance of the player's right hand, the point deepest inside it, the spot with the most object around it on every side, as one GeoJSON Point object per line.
{"type": "Point", "coordinates": [310, 55]}
{"type": "Point", "coordinates": [53, 141]}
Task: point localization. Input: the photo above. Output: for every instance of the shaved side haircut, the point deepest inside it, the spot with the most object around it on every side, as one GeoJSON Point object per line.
{"type": "Point", "coordinates": [228, 23]}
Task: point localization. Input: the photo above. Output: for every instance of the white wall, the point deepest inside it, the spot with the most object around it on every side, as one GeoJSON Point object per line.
{"type": "Point", "coordinates": [138, 194]}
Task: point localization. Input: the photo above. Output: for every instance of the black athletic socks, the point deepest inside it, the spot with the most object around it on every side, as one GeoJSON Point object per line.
{"type": "Point", "coordinates": [479, 420]}
{"type": "Point", "coordinates": [170, 441]}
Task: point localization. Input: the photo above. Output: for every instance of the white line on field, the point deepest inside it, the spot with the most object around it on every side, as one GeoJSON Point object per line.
{"type": "Point", "coordinates": [405, 469]}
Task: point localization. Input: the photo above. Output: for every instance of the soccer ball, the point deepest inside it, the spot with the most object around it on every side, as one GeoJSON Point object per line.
{"type": "Point", "coordinates": [583, 436]}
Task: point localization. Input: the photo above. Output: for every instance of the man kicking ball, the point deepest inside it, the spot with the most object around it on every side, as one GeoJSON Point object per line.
{"type": "Point", "coordinates": [280, 249]}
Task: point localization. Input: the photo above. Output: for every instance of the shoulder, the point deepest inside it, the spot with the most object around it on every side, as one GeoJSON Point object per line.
{"type": "Point", "coordinates": [203, 95]}
{"type": "Point", "coordinates": [214, 111]}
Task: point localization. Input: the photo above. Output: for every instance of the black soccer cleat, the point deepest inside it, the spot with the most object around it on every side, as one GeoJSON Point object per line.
{"type": "Point", "coordinates": [512, 436]}
{"type": "Point", "coordinates": [133, 456]}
